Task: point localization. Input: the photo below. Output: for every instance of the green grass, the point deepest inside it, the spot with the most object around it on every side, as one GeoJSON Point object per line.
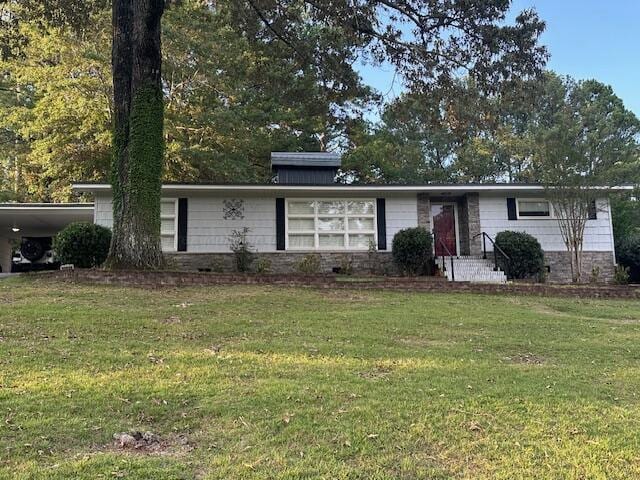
{"type": "Point", "coordinates": [281, 383]}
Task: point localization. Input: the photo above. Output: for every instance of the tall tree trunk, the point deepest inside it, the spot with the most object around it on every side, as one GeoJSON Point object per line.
{"type": "Point", "coordinates": [138, 142]}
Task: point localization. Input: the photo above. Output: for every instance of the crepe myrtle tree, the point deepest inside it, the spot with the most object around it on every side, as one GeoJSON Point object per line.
{"type": "Point", "coordinates": [571, 205]}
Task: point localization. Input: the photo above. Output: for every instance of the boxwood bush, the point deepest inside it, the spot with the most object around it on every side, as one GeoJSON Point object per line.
{"type": "Point", "coordinates": [525, 253]}
{"type": "Point", "coordinates": [412, 251]}
{"type": "Point", "coordinates": [628, 253]}
{"type": "Point", "coordinates": [85, 245]}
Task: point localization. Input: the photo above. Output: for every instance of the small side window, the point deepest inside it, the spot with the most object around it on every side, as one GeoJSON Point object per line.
{"type": "Point", "coordinates": [534, 208]}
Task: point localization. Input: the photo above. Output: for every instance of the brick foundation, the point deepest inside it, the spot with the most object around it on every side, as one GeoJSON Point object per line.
{"type": "Point", "coordinates": [560, 265]}
{"type": "Point", "coordinates": [163, 279]}
{"type": "Point", "coordinates": [379, 263]}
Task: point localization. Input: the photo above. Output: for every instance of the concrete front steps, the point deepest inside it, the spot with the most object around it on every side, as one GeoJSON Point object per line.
{"type": "Point", "coordinates": [472, 269]}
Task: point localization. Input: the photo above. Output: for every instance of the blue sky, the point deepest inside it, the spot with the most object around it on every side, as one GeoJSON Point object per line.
{"type": "Point", "coordinates": [586, 39]}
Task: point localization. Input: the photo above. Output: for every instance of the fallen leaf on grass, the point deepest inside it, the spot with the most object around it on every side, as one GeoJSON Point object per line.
{"type": "Point", "coordinates": [475, 427]}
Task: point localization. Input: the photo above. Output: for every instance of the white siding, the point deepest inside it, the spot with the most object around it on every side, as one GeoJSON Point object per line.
{"type": "Point", "coordinates": [208, 231]}
{"type": "Point", "coordinates": [402, 212]}
{"type": "Point", "coordinates": [103, 211]}
{"type": "Point", "coordinates": [494, 219]}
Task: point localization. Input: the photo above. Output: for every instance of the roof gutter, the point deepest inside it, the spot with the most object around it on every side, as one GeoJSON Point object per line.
{"type": "Point", "coordinates": [104, 187]}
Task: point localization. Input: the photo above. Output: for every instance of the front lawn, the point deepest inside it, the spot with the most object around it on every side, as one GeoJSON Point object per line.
{"type": "Point", "coordinates": [259, 382]}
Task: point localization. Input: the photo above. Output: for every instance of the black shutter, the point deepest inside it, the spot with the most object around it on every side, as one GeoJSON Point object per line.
{"type": "Point", "coordinates": [511, 209]}
{"type": "Point", "coordinates": [182, 224]}
{"type": "Point", "coordinates": [593, 211]}
{"type": "Point", "coordinates": [280, 224]}
{"type": "Point", "coordinates": [382, 223]}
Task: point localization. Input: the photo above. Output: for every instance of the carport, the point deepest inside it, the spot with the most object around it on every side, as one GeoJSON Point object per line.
{"type": "Point", "coordinates": [18, 220]}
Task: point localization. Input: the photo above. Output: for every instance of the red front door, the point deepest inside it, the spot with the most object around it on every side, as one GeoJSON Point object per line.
{"type": "Point", "coordinates": [444, 228]}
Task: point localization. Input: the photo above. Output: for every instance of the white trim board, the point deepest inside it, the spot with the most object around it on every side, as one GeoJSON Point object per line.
{"type": "Point", "coordinates": [342, 189]}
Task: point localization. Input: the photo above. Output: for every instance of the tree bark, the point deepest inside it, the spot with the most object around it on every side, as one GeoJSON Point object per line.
{"type": "Point", "coordinates": [138, 142]}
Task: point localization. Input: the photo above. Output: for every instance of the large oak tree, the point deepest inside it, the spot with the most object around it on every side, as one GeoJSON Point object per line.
{"type": "Point", "coordinates": [138, 142]}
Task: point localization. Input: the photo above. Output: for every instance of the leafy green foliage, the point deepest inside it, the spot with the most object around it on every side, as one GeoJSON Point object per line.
{"type": "Point", "coordinates": [55, 112]}
{"type": "Point", "coordinates": [85, 245]}
{"type": "Point", "coordinates": [309, 264]}
{"type": "Point", "coordinates": [412, 250]}
{"type": "Point", "coordinates": [584, 134]}
{"type": "Point", "coordinates": [526, 258]}
{"type": "Point", "coordinates": [625, 211]}
{"type": "Point", "coordinates": [628, 254]}
{"type": "Point", "coordinates": [621, 275]}
{"type": "Point", "coordinates": [242, 249]}
{"type": "Point", "coordinates": [231, 96]}
{"type": "Point", "coordinates": [263, 265]}
{"type": "Point", "coordinates": [146, 147]}
{"type": "Point", "coordinates": [428, 43]}
{"type": "Point", "coordinates": [461, 134]}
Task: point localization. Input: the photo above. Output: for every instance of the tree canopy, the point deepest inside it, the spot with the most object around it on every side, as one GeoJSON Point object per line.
{"type": "Point", "coordinates": [231, 96]}
{"type": "Point", "coordinates": [241, 79]}
{"type": "Point", "coordinates": [537, 129]}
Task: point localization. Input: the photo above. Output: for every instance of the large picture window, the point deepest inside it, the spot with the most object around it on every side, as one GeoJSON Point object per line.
{"type": "Point", "coordinates": [169, 224]}
{"type": "Point", "coordinates": [330, 224]}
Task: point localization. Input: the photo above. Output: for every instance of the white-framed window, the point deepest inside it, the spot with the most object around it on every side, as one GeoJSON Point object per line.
{"type": "Point", "coordinates": [169, 224]}
{"type": "Point", "coordinates": [534, 208]}
{"type": "Point", "coordinates": [330, 224]}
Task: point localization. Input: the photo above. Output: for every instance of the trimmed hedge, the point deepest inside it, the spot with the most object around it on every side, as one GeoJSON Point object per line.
{"type": "Point", "coordinates": [412, 251]}
{"type": "Point", "coordinates": [628, 253]}
{"type": "Point", "coordinates": [85, 245]}
{"type": "Point", "coordinates": [525, 254]}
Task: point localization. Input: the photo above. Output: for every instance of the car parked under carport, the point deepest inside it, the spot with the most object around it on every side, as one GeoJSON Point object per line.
{"type": "Point", "coordinates": [33, 225]}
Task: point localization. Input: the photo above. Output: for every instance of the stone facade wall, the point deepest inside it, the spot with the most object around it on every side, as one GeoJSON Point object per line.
{"type": "Point", "coordinates": [560, 266]}
{"type": "Point", "coordinates": [424, 214]}
{"type": "Point", "coordinates": [463, 225]}
{"type": "Point", "coordinates": [285, 262]}
{"type": "Point", "coordinates": [472, 201]}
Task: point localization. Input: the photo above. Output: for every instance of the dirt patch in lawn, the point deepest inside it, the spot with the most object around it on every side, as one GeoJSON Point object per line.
{"type": "Point", "coordinates": [380, 372]}
{"type": "Point", "coordinates": [527, 359]}
{"type": "Point", "coordinates": [148, 443]}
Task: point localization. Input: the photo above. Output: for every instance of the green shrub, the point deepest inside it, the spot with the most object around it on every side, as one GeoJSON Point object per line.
{"type": "Point", "coordinates": [85, 245]}
{"type": "Point", "coordinates": [628, 253]}
{"type": "Point", "coordinates": [412, 251]}
{"type": "Point", "coordinates": [309, 265]}
{"type": "Point", "coordinates": [242, 249]}
{"type": "Point", "coordinates": [346, 265]}
{"type": "Point", "coordinates": [525, 254]}
{"type": "Point", "coordinates": [263, 265]}
{"type": "Point", "coordinates": [621, 275]}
